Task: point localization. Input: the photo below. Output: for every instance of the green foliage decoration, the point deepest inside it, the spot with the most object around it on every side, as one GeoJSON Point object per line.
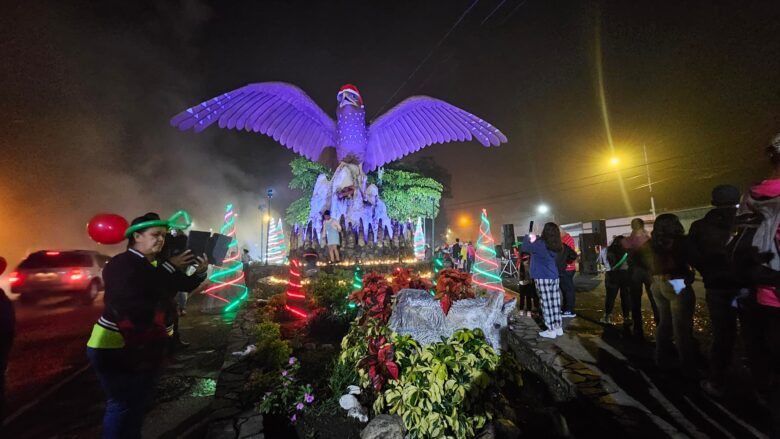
{"type": "Point", "coordinates": [305, 173]}
{"type": "Point", "coordinates": [330, 290]}
{"type": "Point", "coordinates": [354, 346]}
{"type": "Point", "coordinates": [444, 389]}
{"type": "Point", "coordinates": [410, 195]}
{"type": "Point", "coordinates": [272, 351]}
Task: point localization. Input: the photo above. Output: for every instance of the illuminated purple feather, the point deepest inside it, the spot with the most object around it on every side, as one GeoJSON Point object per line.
{"type": "Point", "coordinates": [421, 121]}
{"type": "Point", "coordinates": [279, 110]}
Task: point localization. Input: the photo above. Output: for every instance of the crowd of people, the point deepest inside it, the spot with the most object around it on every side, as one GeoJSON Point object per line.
{"type": "Point", "coordinates": [736, 250]}
{"type": "Point", "coordinates": [459, 256]}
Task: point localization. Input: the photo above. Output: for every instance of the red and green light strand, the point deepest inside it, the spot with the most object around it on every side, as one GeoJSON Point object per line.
{"type": "Point", "coordinates": [419, 241]}
{"type": "Point", "coordinates": [229, 278]}
{"type": "Point", "coordinates": [486, 265]}
{"type": "Point", "coordinates": [295, 288]}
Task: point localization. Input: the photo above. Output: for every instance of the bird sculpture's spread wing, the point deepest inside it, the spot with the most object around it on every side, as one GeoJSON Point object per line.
{"type": "Point", "coordinates": [421, 121]}
{"type": "Point", "coordinates": [279, 110]}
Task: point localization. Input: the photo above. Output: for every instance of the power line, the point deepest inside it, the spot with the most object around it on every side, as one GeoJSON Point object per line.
{"type": "Point", "coordinates": [435, 47]}
{"type": "Point", "coordinates": [530, 192]}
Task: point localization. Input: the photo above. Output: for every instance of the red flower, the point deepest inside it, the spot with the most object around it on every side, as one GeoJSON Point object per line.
{"type": "Point", "coordinates": [453, 285]}
{"type": "Point", "coordinates": [380, 362]}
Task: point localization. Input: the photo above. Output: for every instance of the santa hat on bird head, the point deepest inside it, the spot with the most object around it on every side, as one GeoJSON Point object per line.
{"type": "Point", "coordinates": [353, 89]}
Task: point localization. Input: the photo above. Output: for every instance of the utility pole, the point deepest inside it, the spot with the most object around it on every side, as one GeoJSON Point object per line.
{"type": "Point", "coordinates": [649, 182]}
{"type": "Point", "coordinates": [270, 193]}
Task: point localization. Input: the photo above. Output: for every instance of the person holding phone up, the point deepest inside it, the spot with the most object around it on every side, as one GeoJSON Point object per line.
{"type": "Point", "coordinates": [128, 343]}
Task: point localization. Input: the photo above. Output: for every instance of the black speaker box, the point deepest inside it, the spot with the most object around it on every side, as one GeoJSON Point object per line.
{"type": "Point", "coordinates": [588, 256]}
{"type": "Point", "coordinates": [508, 235]}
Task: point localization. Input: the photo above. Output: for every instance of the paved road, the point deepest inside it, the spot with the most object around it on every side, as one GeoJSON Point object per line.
{"type": "Point", "coordinates": [676, 406]}
{"type": "Point", "coordinates": [51, 349]}
{"type": "Point", "coordinates": [50, 342]}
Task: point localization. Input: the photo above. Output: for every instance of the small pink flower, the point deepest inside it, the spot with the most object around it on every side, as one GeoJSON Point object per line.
{"type": "Point", "coordinates": [293, 418]}
{"type": "Point", "coordinates": [291, 361]}
{"type": "Point", "coordinates": [284, 373]}
{"type": "Point", "coordinates": [299, 406]}
{"type": "Point", "coordinates": [308, 398]}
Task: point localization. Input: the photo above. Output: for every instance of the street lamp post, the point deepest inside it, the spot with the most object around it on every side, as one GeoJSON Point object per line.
{"type": "Point", "coordinates": [649, 182]}
{"type": "Point", "coordinates": [261, 208]}
{"type": "Point", "coordinates": [270, 194]}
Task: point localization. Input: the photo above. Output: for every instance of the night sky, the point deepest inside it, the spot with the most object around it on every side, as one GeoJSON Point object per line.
{"type": "Point", "coordinates": [88, 89]}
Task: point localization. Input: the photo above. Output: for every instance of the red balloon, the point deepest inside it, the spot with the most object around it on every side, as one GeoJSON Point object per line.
{"type": "Point", "coordinates": [107, 228]}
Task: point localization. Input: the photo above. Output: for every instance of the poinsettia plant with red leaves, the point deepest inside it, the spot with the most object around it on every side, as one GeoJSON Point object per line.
{"type": "Point", "coordinates": [406, 278]}
{"type": "Point", "coordinates": [375, 297]}
{"type": "Point", "coordinates": [453, 285]}
{"type": "Point", "coordinates": [380, 362]}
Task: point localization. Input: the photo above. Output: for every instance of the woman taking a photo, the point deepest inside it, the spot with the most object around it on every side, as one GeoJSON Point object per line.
{"type": "Point", "coordinates": [129, 341]}
{"type": "Point", "coordinates": [544, 271]}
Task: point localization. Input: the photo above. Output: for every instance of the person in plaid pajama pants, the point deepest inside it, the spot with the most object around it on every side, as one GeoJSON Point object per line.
{"type": "Point", "coordinates": [544, 271]}
{"type": "Point", "coordinates": [550, 298]}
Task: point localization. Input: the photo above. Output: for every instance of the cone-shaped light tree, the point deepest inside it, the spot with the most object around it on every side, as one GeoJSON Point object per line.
{"type": "Point", "coordinates": [277, 248]}
{"type": "Point", "coordinates": [227, 281]}
{"type": "Point", "coordinates": [419, 241]}
{"type": "Point", "coordinates": [486, 264]}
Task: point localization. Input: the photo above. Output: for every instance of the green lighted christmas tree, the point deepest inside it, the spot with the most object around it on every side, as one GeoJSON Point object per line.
{"type": "Point", "coordinates": [486, 265]}
{"type": "Point", "coordinates": [419, 241]}
{"type": "Point", "coordinates": [277, 248]}
{"type": "Point", "coordinates": [228, 285]}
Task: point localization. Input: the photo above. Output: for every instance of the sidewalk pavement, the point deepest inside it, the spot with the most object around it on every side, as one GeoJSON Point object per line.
{"type": "Point", "coordinates": [616, 385]}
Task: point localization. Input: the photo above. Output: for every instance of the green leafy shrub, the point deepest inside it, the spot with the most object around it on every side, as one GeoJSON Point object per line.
{"type": "Point", "coordinates": [354, 346]}
{"type": "Point", "coordinates": [330, 291]}
{"type": "Point", "coordinates": [272, 351]}
{"type": "Point", "coordinates": [265, 291]}
{"type": "Point", "coordinates": [444, 389]}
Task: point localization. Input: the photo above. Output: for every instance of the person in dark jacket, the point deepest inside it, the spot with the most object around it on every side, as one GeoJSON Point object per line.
{"type": "Point", "coordinates": [640, 274]}
{"type": "Point", "coordinates": [7, 331]}
{"type": "Point", "coordinates": [544, 271]}
{"type": "Point", "coordinates": [617, 280]}
{"type": "Point", "coordinates": [708, 238]}
{"type": "Point", "coordinates": [128, 343]}
{"type": "Point", "coordinates": [674, 296]}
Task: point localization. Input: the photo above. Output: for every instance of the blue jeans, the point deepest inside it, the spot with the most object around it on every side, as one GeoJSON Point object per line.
{"type": "Point", "coordinates": [127, 394]}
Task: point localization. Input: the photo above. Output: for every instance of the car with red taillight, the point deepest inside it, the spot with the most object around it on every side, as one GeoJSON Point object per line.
{"type": "Point", "coordinates": [49, 273]}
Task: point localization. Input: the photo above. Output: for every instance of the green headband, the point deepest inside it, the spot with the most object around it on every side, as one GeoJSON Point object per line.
{"type": "Point", "coordinates": [171, 223]}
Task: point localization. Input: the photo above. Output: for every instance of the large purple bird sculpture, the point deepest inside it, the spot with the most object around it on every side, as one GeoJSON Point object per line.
{"type": "Point", "coordinates": [284, 112]}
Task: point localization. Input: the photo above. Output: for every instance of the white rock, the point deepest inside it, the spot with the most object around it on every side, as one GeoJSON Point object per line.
{"type": "Point", "coordinates": [358, 413]}
{"type": "Point", "coordinates": [353, 390]}
{"type": "Point", "coordinates": [348, 402]}
{"type": "Point", "coordinates": [249, 349]}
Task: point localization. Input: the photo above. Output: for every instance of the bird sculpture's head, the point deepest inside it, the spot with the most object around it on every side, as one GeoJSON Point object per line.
{"type": "Point", "coordinates": [349, 95]}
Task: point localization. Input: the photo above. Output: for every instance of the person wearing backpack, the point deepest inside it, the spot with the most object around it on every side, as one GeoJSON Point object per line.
{"type": "Point", "coordinates": [544, 271]}
{"type": "Point", "coordinates": [708, 239]}
{"type": "Point", "coordinates": [567, 275]}
{"type": "Point", "coordinates": [616, 280]}
{"type": "Point", "coordinates": [759, 215]}
{"type": "Point", "coordinates": [640, 274]}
